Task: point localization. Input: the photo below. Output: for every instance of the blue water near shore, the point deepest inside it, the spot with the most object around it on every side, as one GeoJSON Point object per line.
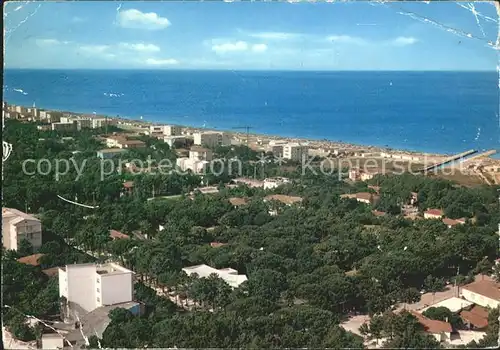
{"type": "Point", "coordinates": [445, 112]}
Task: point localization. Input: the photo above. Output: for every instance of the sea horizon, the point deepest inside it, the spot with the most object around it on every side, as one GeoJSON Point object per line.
{"type": "Point", "coordinates": [166, 69]}
{"type": "Point", "coordinates": [433, 112]}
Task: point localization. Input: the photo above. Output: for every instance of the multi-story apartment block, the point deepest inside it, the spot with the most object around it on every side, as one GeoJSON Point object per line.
{"type": "Point", "coordinates": [60, 126]}
{"type": "Point", "coordinates": [91, 286]}
{"type": "Point", "coordinates": [294, 151]}
{"type": "Point", "coordinates": [200, 153]}
{"type": "Point", "coordinates": [44, 115]}
{"type": "Point", "coordinates": [17, 226]}
{"type": "Point", "coordinates": [211, 139]}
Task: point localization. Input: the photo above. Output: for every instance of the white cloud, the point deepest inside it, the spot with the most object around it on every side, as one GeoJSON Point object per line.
{"type": "Point", "coordinates": [230, 47]}
{"type": "Point", "coordinates": [77, 19]}
{"type": "Point", "coordinates": [51, 42]}
{"type": "Point", "coordinates": [259, 47]}
{"type": "Point", "coordinates": [404, 41]}
{"type": "Point", "coordinates": [140, 47]}
{"type": "Point", "coordinates": [161, 62]}
{"type": "Point", "coordinates": [136, 19]}
{"type": "Point", "coordinates": [346, 39]}
{"type": "Point", "coordinates": [275, 35]}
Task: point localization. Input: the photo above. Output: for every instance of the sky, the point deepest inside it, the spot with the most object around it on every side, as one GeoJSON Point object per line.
{"type": "Point", "coordinates": [247, 36]}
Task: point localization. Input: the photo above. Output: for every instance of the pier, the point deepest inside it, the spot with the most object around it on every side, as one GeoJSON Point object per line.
{"type": "Point", "coordinates": [448, 161]}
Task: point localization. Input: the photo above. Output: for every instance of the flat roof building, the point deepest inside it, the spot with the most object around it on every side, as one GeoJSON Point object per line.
{"type": "Point", "coordinates": [91, 286]}
{"type": "Point", "coordinates": [17, 226]}
{"type": "Point", "coordinates": [230, 276]}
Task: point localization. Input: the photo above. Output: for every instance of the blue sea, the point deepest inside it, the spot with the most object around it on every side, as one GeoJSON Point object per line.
{"type": "Point", "coordinates": [444, 112]}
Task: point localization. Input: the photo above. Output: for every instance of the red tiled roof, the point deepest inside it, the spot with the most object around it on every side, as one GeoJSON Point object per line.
{"type": "Point", "coordinates": [436, 212]}
{"type": "Point", "coordinates": [378, 213]}
{"type": "Point", "coordinates": [487, 288]}
{"type": "Point", "coordinates": [453, 222]}
{"type": "Point", "coordinates": [432, 326]}
{"type": "Point", "coordinates": [217, 244]}
{"type": "Point", "coordinates": [237, 201]}
{"type": "Point", "coordinates": [478, 316]}
{"type": "Point", "coordinates": [117, 234]}
{"type": "Point", "coordinates": [284, 198]}
{"type": "Point", "coordinates": [31, 259]}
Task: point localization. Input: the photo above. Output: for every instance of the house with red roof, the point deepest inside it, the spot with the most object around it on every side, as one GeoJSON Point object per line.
{"type": "Point", "coordinates": [453, 222]}
{"type": "Point", "coordinates": [476, 318]}
{"type": "Point", "coordinates": [32, 260]}
{"type": "Point", "coordinates": [433, 214]}
{"type": "Point", "coordinates": [439, 329]}
{"type": "Point", "coordinates": [483, 292]}
{"type": "Point", "coordinates": [114, 234]}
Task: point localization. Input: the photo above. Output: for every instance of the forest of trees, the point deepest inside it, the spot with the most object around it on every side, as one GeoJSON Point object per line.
{"type": "Point", "coordinates": [297, 263]}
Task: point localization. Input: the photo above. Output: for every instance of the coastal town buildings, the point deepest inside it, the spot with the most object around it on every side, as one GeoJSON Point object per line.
{"type": "Point", "coordinates": [230, 276]}
{"type": "Point", "coordinates": [177, 141]}
{"type": "Point", "coordinates": [62, 126]}
{"type": "Point", "coordinates": [200, 153]}
{"type": "Point", "coordinates": [90, 286]}
{"type": "Point", "coordinates": [362, 197]}
{"type": "Point", "coordinates": [121, 141]}
{"type": "Point", "coordinates": [17, 225]}
{"type": "Point", "coordinates": [165, 130]}
{"type": "Point", "coordinates": [211, 139]}
{"type": "Point", "coordinates": [248, 182]}
{"type": "Point", "coordinates": [295, 151]}
{"type": "Point", "coordinates": [198, 160]}
{"type": "Point", "coordinates": [110, 153]}
{"type": "Point", "coordinates": [44, 115]}
{"type": "Point", "coordinates": [275, 147]}
{"type": "Point", "coordinates": [101, 122]}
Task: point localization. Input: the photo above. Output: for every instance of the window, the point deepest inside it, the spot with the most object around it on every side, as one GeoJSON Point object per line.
{"type": "Point", "coordinates": [98, 280]}
{"type": "Point", "coordinates": [98, 300]}
{"type": "Point", "coordinates": [98, 290]}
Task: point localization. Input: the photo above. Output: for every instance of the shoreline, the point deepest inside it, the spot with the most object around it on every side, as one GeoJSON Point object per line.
{"type": "Point", "coordinates": [253, 136]}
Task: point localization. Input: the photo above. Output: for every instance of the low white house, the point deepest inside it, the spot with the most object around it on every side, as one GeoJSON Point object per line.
{"type": "Point", "coordinates": [91, 286]}
{"type": "Point", "coordinates": [274, 182]}
{"type": "Point", "coordinates": [230, 276]}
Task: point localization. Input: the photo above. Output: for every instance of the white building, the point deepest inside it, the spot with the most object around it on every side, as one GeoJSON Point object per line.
{"type": "Point", "coordinates": [212, 139]}
{"type": "Point", "coordinates": [17, 226]}
{"type": "Point", "coordinates": [484, 292]}
{"type": "Point", "coordinates": [60, 126]}
{"type": "Point", "coordinates": [44, 115]}
{"type": "Point", "coordinates": [200, 153]}
{"type": "Point", "coordinates": [295, 151]}
{"type": "Point", "coordinates": [275, 182]}
{"type": "Point", "coordinates": [176, 140]}
{"type": "Point", "coordinates": [82, 123]}
{"type": "Point", "coordinates": [100, 122]}
{"type": "Point", "coordinates": [91, 286]}
{"type": "Point", "coordinates": [230, 276]}
{"type": "Point", "coordinates": [195, 165]}
{"type": "Point", "coordinates": [20, 109]}
{"type": "Point", "coordinates": [276, 147]}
